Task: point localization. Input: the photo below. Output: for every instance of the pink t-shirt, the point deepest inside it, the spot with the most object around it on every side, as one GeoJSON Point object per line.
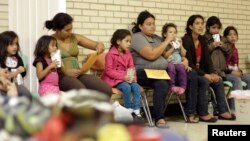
{"type": "Point", "coordinates": [50, 84]}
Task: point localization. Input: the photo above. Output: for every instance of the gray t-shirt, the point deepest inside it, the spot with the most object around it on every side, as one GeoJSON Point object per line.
{"type": "Point", "coordinates": [139, 41]}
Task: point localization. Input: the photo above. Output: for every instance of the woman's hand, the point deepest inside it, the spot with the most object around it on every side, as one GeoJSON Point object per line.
{"type": "Point", "coordinates": [8, 87]}
{"type": "Point", "coordinates": [73, 72]}
{"type": "Point", "coordinates": [99, 48]}
{"type": "Point", "coordinates": [237, 73]}
{"type": "Point", "coordinates": [185, 63]}
{"type": "Point", "coordinates": [215, 77]}
{"type": "Point", "coordinates": [170, 38]}
{"type": "Point", "coordinates": [217, 44]}
{"type": "Point", "coordinates": [5, 73]}
{"type": "Point", "coordinates": [209, 77]}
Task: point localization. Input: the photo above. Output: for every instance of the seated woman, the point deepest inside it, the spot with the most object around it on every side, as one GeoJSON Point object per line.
{"type": "Point", "coordinates": [147, 49]}
{"type": "Point", "coordinates": [7, 88]}
{"type": "Point", "coordinates": [70, 76]}
{"type": "Point", "coordinates": [200, 61]}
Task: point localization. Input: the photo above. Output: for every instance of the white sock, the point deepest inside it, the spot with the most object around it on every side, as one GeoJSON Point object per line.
{"type": "Point", "coordinates": [137, 112]}
{"type": "Point", "coordinates": [131, 110]}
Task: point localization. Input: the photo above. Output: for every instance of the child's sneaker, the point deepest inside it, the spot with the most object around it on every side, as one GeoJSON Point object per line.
{"type": "Point", "coordinates": [131, 110]}
{"type": "Point", "coordinates": [137, 112]}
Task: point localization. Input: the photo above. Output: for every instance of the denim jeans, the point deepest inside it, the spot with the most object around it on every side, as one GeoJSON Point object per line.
{"type": "Point", "coordinates": [159, 94]}
{"type": "Point", "coordinates": [196, 94]}
{"type": "Point", "coordinates": [246, 78]}
{"type": "Point", "coordinates": [191, 92]}
{"type": "Point", "coordinates": [236, 81]}
{"type": "Point", "coordinates": [127, 89]}
{"type": "Point", "coordinates": [218, 88]}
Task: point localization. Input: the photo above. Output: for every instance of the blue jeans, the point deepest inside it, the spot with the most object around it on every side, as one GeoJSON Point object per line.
{"type": "Point", "coordinates": [159, 94]}
{"type": "Point", "coordinates": [196, 94]}
{"type": "Point", "coordinates": [236, 81]}
{"type": "Point", "coordinates": [191, 92]}
{"type": "Point", "coordinates": [246, 78]}
{"type": "Point", "coordinates": [127, 89]}
{"type": "Point", "coordinates": [218, 88]}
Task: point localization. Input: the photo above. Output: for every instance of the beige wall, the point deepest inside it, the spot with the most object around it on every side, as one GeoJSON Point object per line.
{"type": "Point", "coordinates": [3, 15]}
{"type": "Point", "coordinates": [98, 19]}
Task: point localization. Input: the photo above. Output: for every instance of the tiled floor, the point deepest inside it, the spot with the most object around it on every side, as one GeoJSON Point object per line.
{"type": "Point", "coordinates": [198, 131]}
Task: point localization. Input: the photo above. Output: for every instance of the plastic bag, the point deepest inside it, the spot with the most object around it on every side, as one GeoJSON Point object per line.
{"type": "Point", "coordinates": [121, 114]}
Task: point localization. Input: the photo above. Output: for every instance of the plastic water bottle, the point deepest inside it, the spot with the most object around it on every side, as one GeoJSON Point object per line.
{"type": "Point", "coordinates": [19, 79]}
{"type": "Point", "coordinates": [210, 108]}
{"type": "Point", "coordinates": [235, 67]}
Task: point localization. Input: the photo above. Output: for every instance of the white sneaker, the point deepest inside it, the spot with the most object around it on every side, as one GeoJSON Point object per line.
{"type": "Point", "coordinates": [137, 112]}
{"type": "Point", "coordinates": [131, 110]}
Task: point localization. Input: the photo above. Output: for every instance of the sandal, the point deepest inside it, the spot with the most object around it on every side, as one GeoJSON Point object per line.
{"type": "Point", "coordinates": [233, 117]}
{"type": "Point", "coordinates": [192, 119]}
{"type": "Point", "coordinates": [161, 123]}
{"type": "Point", "coordinates": [210, 120]}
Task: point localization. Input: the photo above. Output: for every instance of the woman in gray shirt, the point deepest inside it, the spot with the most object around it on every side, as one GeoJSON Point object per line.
{"type": "Point", "coordinates": [147, 49]}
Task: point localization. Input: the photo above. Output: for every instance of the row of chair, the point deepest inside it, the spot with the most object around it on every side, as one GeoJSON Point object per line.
{"type": "Point", "coordinates": [99, 65]}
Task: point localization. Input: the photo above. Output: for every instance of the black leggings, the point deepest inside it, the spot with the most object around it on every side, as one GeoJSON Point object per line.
{"type": "Point", "coordinates": [84, 81]}
{"type": "Point", "coordinates": [159, 94]}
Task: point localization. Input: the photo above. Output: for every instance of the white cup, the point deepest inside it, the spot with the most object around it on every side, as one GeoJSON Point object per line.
{"type": "Point", "coordinates": [216, 37]}
{"type": "Point", "coordinates": [56, 56]}
{"type": "Point", "coordinates": [131, 73]}
{"type": "Point", "coordinates": [176, 44]}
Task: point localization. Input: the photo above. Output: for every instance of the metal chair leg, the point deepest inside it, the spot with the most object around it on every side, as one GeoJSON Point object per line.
{"type": "Point", "coordinates": [182, 109]}
{"type": "Point", "coordinates": [146, 109]}
{"type": "Point", "coordinates": [179, 101]}
{"type": "Point", "coordinates": [213, 94]}
{"type": "Point", "coordinates": [168, 99]}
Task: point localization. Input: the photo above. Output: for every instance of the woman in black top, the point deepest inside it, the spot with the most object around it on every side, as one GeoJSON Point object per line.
{"type": "Point", "coordinates": [200, 61]}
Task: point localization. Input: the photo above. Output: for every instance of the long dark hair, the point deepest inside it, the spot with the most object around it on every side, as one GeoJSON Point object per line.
{"type": "Point", "coordinates": [7, 38]}
{"type": "Point", "coordinates": [190, 21]}
{"type": "Point", "coordinates": [140, 20]}
{"type": "Point", "coordinates": [227, 30]}
{"type": "Point", "coordinates": [119, 34]}
{"type": "Point", "coordinates": [59, 21]}
{"type": "Point", "coordinates": [42, 45]}
{"type": "Point", "coordinates": [212, 21]}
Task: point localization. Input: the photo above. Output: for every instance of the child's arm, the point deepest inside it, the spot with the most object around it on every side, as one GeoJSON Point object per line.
{"type": "Point", "coordinates": [41, 72]}
{"type": "Point", "coordinates": [19, 70]}
{"type": "Point", "coordinates": [168, 52]}
{"type": "Point", "coordinates": [183, 51]}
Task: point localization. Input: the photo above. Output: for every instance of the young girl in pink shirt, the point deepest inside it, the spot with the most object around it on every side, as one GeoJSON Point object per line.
{"type": "Point", "coordinates": [46, 69]}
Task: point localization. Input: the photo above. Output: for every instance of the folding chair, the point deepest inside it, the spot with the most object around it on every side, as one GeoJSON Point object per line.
{"type": "Point", "coordinates": [146, 109]}
{"type": "Point", "coordinates": [214, 98]}
{"type": "Point", "coordinates": [179, 101]}
{"type": "Point", "coordinates": [230, 86]}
